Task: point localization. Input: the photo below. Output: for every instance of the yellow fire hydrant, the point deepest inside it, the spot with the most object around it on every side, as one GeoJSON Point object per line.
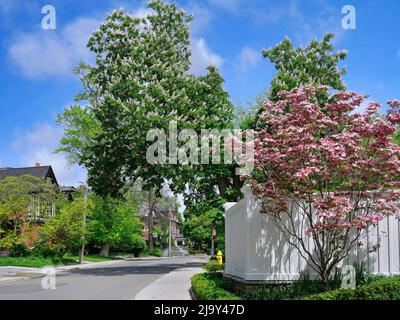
{"type": "Point", "coordinates": [219, 257]}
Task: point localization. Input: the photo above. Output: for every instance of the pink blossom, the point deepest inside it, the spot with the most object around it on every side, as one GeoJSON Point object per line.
{"type": "Point", "coordinates": [342, 163]}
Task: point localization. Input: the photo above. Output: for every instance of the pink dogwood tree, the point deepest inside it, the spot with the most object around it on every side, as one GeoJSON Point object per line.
{"type": "Point", "coordinates": [326, 171]}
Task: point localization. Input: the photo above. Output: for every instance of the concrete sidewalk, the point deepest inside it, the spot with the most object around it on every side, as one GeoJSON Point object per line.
{"type": "Point", "coordinates": [173, 286]}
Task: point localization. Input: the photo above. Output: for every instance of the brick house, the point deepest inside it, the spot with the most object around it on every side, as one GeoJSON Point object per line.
{"type": "Point", "coordinates": [38, 171]}
{"type": "Point", "coordinates": [160, 216]}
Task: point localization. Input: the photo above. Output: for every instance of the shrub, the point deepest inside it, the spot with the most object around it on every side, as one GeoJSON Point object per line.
{"type": "Point", "coordinates": [155, 252]}
{"type": "Point", "coordinates": [213, 266]}
{"type": "Point", "coordinates": [19, 250]}
{"type": "Point", "coordinates": [198, 251]}
{"type": "Point", "coordinates": [284, 291]}
{"type": "Point", "coordinates": [383, 289]}
{"type": "Point", "coordinates": [211, 286]}
{"type": "Point", "coordinates": [45, 251]}
{"type": "Point", "coordinates": [139, 248]}
{"type": "Point", "coordinates": [8, 240]}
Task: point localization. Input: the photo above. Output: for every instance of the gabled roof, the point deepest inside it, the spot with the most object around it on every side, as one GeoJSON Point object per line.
{"type": "Point", "coordinates": [37, 171]}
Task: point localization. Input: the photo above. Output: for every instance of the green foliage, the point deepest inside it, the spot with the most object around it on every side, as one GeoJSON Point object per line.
{"type": "Point", "coordinates": [65, 230]}
{"type": "Point", "coordinates": [80, 129]}
{"type": "Point", "coordinates": [315, 64]}
{"type": "Point", "coordinates": [25, 199]}
{"type": "Point", "coordinates": [19, 250]}
{"type": "Point", "coordinates": [213, 266]}
{"type": "Point", "coordinates": [210, 286]}
{"type": "Point", "coordinates": [193, 251]}
{"type": "Point", "coordinates": [42, 249]}
{"type": "Point", "coordinates": [33, 261]}
{"type": "Point", "coordinates": [9, 238]}
{"type": "Point", "coordinates": [114, 222]}
{"type": "Point", "coordinates": [154, 252]}
{"type": "Point", "coordinates": [286, 291]}
{"type": "Point", "coordinates": [383, 289]}
{"type": "Point", "coordinates": [198, 228]}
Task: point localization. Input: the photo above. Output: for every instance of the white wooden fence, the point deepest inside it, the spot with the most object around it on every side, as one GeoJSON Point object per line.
{"type": "Point", "coordinates": [256, 250]}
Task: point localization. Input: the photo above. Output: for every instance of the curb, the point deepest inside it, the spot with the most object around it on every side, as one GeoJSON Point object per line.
{"type": "Point", "coordinates": [4, 280]}
{"type": "Point", "coordinates": [146, 259]}
{"type": "Point", "coordinates": [192, 294]}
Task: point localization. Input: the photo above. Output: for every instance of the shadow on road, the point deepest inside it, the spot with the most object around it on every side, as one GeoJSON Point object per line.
{"type": "Point", "coordinates": [126, 270]}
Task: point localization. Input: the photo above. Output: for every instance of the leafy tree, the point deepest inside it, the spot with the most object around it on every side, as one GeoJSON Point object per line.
{"type": "Point", "coordinates": [315, 65]}
{"type": "Point", "coordinates": [138, 83]}
{"type": "Point", "coordinates": [25, 199]}
{"type": "Point", "coordinates": [198, 228]}
{"type": "Point", "coordinates": [128, 95]}
{"type": "Point", "coordinates": [114, 224]}
{"type": "Point", "coordinates": [331, 168]}
{"type": "Point", "coordinates": [81, 131]}
{"type": "Point", "coordinates": [64, 231]}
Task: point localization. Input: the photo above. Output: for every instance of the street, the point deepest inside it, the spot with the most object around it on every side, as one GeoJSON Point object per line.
{"type": "Point", "coordinates": [120, 280]}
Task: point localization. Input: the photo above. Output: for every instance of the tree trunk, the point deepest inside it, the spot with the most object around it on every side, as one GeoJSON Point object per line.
{"type": "Point", "coordinates": [222, 186]}
{"type": "Point", "coordinates": [105, 250]}
{"type": "Point", "coordinates": [326, 286]}
{"type": "Point", "coordinates": [237, 184]}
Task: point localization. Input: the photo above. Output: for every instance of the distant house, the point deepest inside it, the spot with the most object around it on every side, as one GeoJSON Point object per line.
{"type": "Point", "coordinates": [38, 171]}
{"type": "Point", "coordinates": [160, 216]}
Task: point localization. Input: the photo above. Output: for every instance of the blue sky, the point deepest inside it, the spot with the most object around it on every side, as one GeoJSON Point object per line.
{"type": "Point", "coordinates": [36, 79]}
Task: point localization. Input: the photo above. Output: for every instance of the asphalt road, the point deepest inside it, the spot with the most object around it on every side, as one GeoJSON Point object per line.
{"type": "Point", "coordinates": [121, 280]}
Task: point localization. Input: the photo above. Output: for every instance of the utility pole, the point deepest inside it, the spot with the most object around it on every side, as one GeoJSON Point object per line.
{"type": "Point", "coordinates": [213, 234]}
{"type": "Point", "coordinates": [170, 234]}
{"type": "Point", "coordinates": [82, 251]}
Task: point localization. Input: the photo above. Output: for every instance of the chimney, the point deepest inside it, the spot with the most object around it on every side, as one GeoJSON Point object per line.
{"type": "Point", "coordinates": [37, 164]}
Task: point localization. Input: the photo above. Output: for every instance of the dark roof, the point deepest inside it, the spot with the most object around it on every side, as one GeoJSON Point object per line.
{"type": "Point", "coordinates": [38, 172]}
{"type": "Point", "coordinates": [67, 188]}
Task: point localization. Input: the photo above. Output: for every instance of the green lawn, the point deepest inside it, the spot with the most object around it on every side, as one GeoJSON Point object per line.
{"type": "Point", "coordinates": [38, 262]}
{"type": "Point", "coordinates": [34, 262]}
{"type": "Point", "coordinates": [93, 258]}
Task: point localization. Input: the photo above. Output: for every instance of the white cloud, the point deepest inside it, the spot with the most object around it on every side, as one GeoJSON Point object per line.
{"type": "Point", "coordinates": [38, 145]}
{"type": "Point", "coordinates": [201, 17]}
{"type": "Point", "coordinates": [53, 52]}
{"type": "Point", "coordinates": [202, 57]}
{"type": "Point", "coordinates": [248, 58]}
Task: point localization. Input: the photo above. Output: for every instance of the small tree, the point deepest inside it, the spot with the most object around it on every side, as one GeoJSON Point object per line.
{"type": "Point", "coordinates": [328, 166]}
{"type": "Point", "coordinates": [114, 224]}
{"type": "Point", "coordinates": [25, 199]}
{"type": "Point", "coordinates": [64, 231]}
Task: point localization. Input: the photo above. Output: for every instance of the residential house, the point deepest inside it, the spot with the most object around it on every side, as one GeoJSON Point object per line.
{"type": "Point", "coordinates": [38, 171]}
{"type": "Point", "coordinates": [162, 215]}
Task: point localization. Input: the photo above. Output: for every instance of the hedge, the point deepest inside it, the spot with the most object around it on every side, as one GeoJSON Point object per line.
{"type": "Point", "coordinates": [385, 289]}
{"type": "Point", "coordinates": [213, 266]}
{"type": "Point", "coordinates": [207, 286]}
